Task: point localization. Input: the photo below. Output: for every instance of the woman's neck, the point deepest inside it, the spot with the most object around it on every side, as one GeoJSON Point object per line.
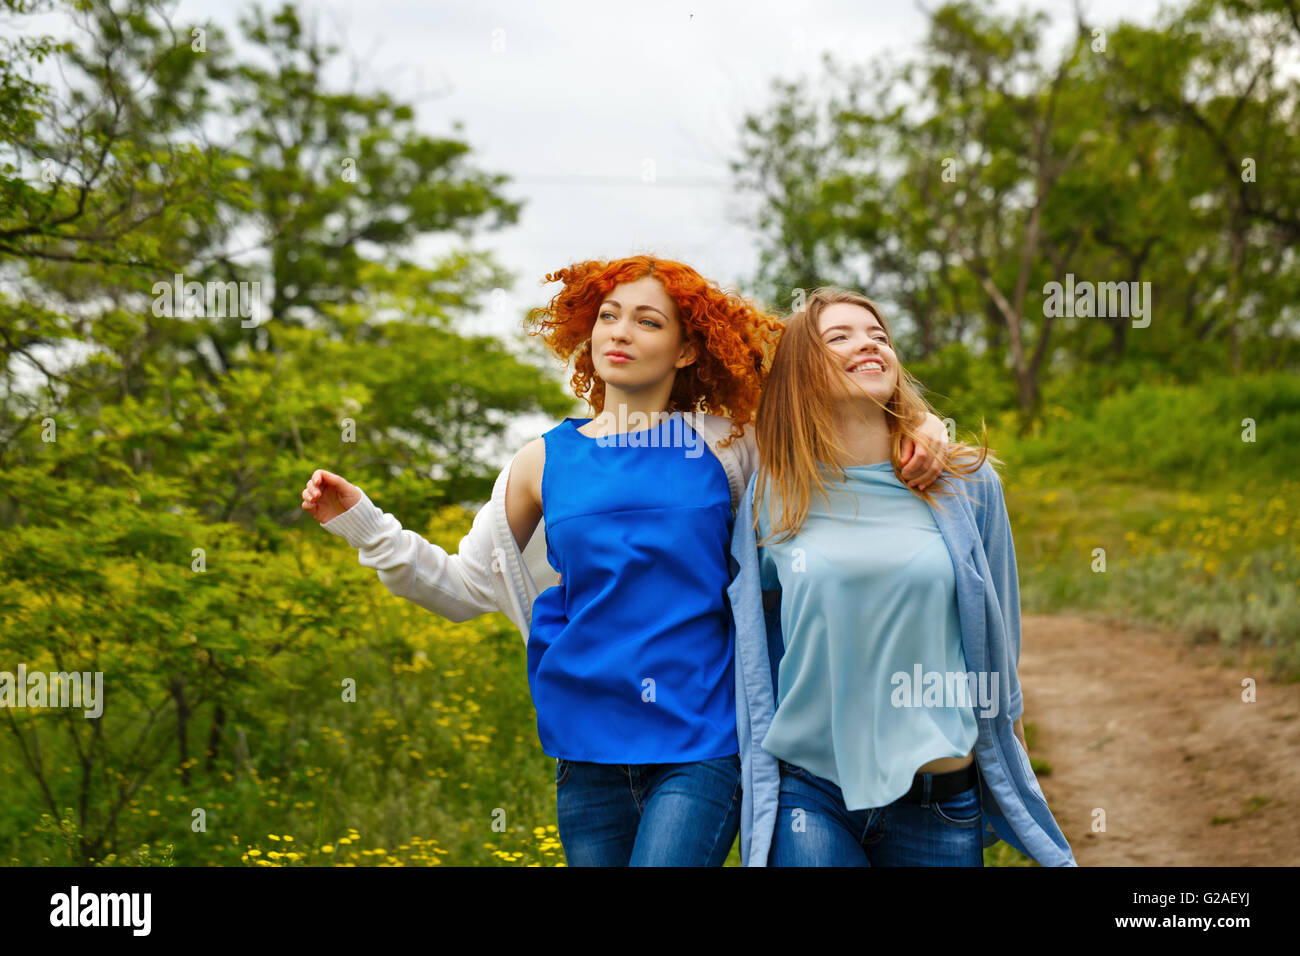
{"type": "Point", "coordinates": [630, 411]}
{"type": "Point", "coordinates": [863, 432]}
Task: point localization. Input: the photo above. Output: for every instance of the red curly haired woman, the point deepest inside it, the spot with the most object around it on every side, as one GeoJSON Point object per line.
{"type": "Point", "coordinates": [622, 600]}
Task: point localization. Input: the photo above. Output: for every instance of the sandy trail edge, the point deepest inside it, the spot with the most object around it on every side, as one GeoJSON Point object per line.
{"type": "Point", "coordinates": [1153, 730]}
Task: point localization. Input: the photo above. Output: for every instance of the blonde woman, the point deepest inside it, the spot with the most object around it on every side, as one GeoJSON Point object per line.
{"type": "Point", "coordinates": [882, 701]}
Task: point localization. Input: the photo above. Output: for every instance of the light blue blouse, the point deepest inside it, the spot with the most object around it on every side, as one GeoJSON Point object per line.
{"type": "Point", "coordinates": [972, 516]}
{"type": "Point", "coordinates": [873, 682]}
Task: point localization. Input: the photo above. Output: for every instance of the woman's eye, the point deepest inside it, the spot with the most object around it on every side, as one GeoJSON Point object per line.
{"type": "Point", "coordinates": [651, 322]}
{"type": "Point", "coordinates": [882, 339]}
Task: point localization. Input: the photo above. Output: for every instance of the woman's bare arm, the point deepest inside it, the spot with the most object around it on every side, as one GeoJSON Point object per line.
{"type": "Point", "coordinates": [524, 492]}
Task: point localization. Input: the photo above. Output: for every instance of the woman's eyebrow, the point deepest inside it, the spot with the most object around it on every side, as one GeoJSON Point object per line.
{"type": "Point", "coordinates": [620, 305]}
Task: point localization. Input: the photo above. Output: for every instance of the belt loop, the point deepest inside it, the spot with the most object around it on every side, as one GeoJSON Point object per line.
{"type": "Point", "coordinates": [926, 780]}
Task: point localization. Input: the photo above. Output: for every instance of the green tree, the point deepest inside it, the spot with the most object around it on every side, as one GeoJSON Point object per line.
{"type": "Point", "coordinates": [955, 185]}
{"type": "Point", "coordinates": [151, 479]}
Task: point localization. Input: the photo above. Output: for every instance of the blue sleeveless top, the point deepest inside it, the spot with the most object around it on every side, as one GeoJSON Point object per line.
{"type": "Point", "coordinates": [631, 655]}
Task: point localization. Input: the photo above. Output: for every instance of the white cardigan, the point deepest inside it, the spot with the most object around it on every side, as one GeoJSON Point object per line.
{"type": "Point", "coordinates": [488, 573]}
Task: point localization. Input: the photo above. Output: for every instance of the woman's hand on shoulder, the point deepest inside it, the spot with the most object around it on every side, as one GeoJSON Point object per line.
{"type": "Point", "coordinates": [923, 461]}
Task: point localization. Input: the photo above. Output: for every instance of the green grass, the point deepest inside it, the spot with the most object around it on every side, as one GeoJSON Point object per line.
{"type": "Point", "coordinates": [437, 762]}
{"type": "Point", "coordinates": [1151, 508]}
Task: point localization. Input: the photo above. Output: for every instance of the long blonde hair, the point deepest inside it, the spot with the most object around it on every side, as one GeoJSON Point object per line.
{"type": "Point", "coordinates": [794, 427]}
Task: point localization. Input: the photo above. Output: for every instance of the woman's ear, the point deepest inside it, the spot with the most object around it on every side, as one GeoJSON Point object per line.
{"type": "Point", "coordinates": [689, 355]}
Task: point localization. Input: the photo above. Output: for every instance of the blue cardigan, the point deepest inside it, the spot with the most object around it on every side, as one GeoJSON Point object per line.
{"type": "Point", "coordinates": [978, 535]}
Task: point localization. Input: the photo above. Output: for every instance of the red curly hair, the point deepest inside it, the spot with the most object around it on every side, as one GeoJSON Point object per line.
{"type": "Point", "coordinates": [734, 338]}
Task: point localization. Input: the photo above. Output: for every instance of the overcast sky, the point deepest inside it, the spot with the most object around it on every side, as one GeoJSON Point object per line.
{"type": "Point", "coordinates": [575, 100]}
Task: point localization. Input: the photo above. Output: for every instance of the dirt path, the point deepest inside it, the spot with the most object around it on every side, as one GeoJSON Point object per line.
{"type": "Point", "coordinates": [1153, 730]}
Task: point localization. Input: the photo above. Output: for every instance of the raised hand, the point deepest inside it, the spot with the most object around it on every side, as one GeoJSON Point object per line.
{"type": "Point", "coordinates": [327, 496]}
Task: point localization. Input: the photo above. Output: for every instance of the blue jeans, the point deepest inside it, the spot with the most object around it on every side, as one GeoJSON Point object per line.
{"type": "Point", "coordinates": [663, 814]}
{"type": "Point", "coordinates": [814, 828]}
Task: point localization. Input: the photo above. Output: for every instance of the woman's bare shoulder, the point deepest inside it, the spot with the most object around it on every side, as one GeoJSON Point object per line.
{"type": "Point", "coordinates": [526, 468]}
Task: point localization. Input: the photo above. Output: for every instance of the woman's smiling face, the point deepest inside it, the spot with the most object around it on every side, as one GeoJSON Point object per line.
{"type": "Point", "coordinates": [860, 351]}
{"type": "Point", "coordinates": [638, 338]}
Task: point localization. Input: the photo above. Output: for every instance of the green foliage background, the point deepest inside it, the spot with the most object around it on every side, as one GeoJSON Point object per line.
{"type": "Point", "coordinates": [150, 525]}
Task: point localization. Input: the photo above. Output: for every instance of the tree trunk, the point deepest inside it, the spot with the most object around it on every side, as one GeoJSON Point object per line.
{"type": "Point", "coordinates": [214, 736]}
{"type": "Point", "coordinates": [182, 729]}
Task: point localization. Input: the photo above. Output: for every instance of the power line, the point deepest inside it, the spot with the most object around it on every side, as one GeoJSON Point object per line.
{"type": "Point", "coordinates": [596, 180]}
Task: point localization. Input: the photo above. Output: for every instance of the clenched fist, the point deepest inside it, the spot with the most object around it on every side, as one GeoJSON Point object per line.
{"type": "Point", "coordinates": [327, 496]}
